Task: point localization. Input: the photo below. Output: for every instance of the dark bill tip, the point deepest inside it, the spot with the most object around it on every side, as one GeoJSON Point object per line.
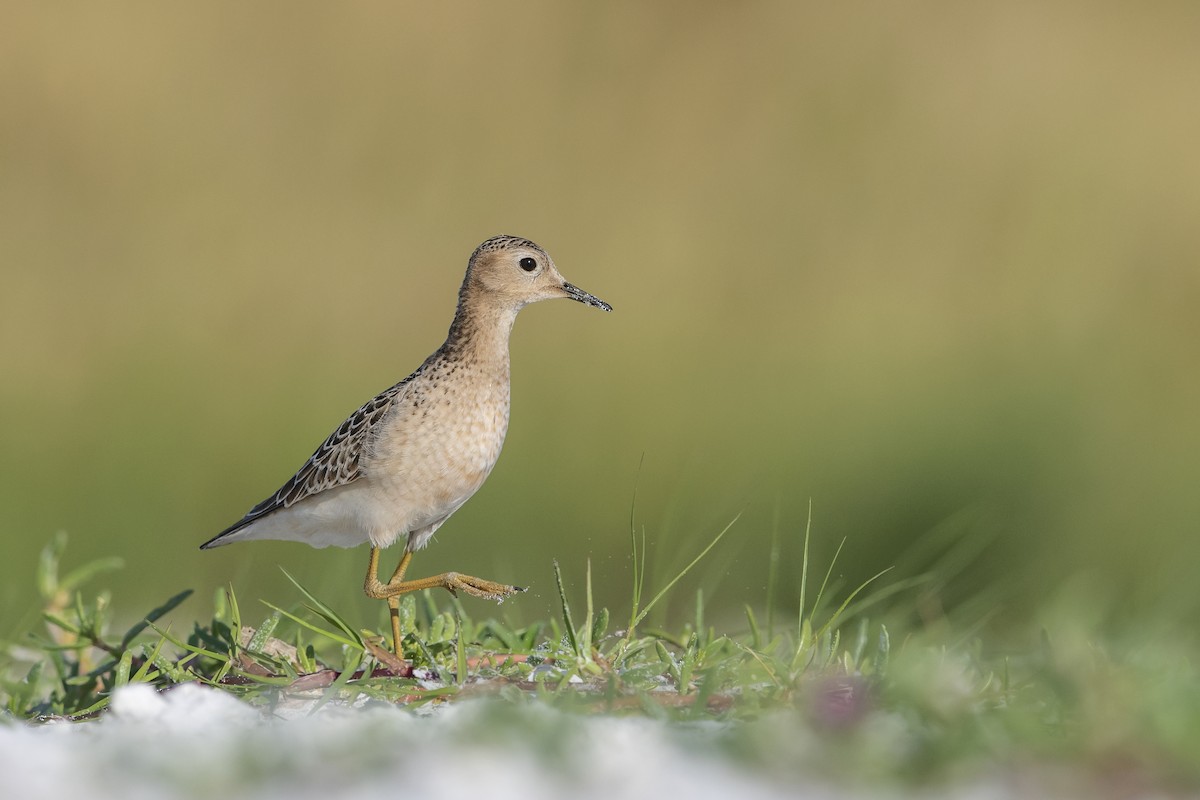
{"type": "Point", "coordinates": [575, 293]}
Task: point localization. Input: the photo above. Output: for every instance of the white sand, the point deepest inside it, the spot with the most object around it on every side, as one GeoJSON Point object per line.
{"type": "Point", "coordinates": [195, 742]}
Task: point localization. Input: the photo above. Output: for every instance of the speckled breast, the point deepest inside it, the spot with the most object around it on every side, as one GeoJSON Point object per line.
{"type": "Point", "coordinates": [440, 442]}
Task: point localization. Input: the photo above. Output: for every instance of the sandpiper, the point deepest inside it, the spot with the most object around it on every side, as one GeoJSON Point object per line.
{"type": "Point", "coordinates": [411, 456]}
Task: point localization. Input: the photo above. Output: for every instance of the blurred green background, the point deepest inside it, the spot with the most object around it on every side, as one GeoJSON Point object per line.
{"type": "Point", "coordinates": [934, 266]}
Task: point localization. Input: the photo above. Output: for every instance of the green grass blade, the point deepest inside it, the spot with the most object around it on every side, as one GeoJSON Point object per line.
{"type": "Point", "coordinates": [349, 665]}
{"type": "Point", "coordinates": [638, 560]}
{"type": "Point", "coordinates": [121, 676]}
{"type": "Point", "coordinates": [566, 610]}
{"type": "Point", "coordinates": [314, 628]}
{"type": "Point", "coordinates": [150, 660]}
{"type": "Point", "coordinates": [662, 592]}
{"type": "Point", "coordinates": [828, 572]}
{"type": "Point", "coordinates": [460, 655]}
{"type": "Point", "coordinates": [154, 616]}
{"type": "Point", "coordinates": [600, 625]}
{"type": "Point", "coordinates": [755, 632]}
{"type": "Point", "coordinates": [804, 576]}
{"type": "Point", "coordinates": [191, 648]}
{"type": "Point", "coordinates": [837, 614]}
{"type": "Point", "coordinates": [83, 574]}
{"type": "Point", "coordinates": [261, 636]}
{"type": "Point", "coordinates": [59, 622]}
{"type": "Point", "coordinates": [327, 613]}
{"type": "Point", "coordinates": [585, 644]}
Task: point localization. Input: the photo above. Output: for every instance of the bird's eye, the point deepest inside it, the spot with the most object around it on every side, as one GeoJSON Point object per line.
{"type": "Point", "coordinates": [528, 264]}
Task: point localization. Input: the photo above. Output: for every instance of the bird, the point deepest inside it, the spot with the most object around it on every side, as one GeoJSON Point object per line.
{"type": "Point", "coordinates": [411, 456]}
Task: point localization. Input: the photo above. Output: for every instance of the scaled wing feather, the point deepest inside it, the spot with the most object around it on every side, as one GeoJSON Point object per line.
{"type": "Point", "coordinates": [337, 462]}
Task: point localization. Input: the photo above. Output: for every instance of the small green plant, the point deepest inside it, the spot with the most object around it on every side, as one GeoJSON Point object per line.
{"type": "Point", "coordinates": [914, 709]}
{"type": "Point", "coordinates": [308, 650]}
{"type": "Point", "coordinates": [859, 697]}
{"type": "Point", "coordinates": [86, 660]}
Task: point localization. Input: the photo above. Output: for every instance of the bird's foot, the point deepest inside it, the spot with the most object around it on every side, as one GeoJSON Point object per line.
{"type": "Point", "coordinates": [452, 582]}
{"type": "Point", "coordinates": [478, 587]}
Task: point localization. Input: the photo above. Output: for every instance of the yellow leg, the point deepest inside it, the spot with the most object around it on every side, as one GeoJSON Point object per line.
{"type": "Point", "coordinates": [453, 582]}
{"type": "Point", "coordinates": [394, 613]}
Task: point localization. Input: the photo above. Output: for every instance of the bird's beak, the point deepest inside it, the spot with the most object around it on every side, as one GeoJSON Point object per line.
{"type": "Point", "coordinates": [575, 293]}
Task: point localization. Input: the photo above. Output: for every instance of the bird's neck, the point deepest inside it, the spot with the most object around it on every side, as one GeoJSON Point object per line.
{"type": "Point", "coordinates": [479, 335]}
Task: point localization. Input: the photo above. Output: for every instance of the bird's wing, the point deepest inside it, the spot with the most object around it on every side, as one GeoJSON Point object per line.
{"type": "Point", "coordinates": [337, 462]}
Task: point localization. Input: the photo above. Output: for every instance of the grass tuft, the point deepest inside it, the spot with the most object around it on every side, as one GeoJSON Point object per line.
{"type": "Point", "coordinates": [867, 702]}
